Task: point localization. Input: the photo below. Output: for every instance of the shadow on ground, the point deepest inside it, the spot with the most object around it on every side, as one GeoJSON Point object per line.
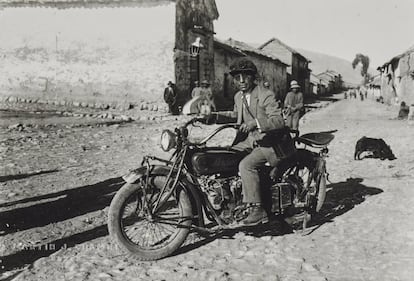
{"type": "Point", "coordinates": [23, 176]}
{"type": "Point", "coordinates": [29, 255]}
{"type": "Point", "coordinates": [314, 99]}
{"type": "Point", "coordinates": [340, 198]}
{"type": "Point", "coordinates": [67, 204]}
{"type": "Point", "coordinates": [61, 206]}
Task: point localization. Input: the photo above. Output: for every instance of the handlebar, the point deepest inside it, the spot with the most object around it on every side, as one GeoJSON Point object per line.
{"type": "Point", "coordinates": [194, 120]}
{"type": "Point", "coordinates": [295, 132]}
{"type": "Point", "coordinates": [206, 121]}
{"type": "Point", "coordinates": [206, 139]}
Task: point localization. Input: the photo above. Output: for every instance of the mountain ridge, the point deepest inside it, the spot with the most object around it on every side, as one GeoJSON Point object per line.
{"type": "Point", "coordinates": [321, 62]}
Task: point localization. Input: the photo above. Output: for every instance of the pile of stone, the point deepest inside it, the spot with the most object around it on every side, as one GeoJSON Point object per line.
{"type": "Point", "coordinates": [117, 112]}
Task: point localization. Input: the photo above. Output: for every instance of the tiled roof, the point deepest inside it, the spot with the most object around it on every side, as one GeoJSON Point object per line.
{"type": "Point", "coordinates": [410, 50]}
{"type": "Point", "coordinates": [376, 81]}
{"type": "Point", "coordinates": [333, 72]}
{"type": "Point", "coordinates": [244, 47]}
{"type": "Point", "coordinates": [314, 79]}
{"type": "Point", "coordinates": [324, 76]}
{"type": "Point", "coordinates": [290, 49]}
{"type": "Point", "coordinates": [330, 73]}
{"type": "Point", "coordinates": [222, 44]}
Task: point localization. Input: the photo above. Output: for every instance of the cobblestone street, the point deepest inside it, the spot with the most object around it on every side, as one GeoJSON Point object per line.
{"type": "Point", "coordinates": [57, 181]}
{"type": "Point", "coordinates": [57, 177]}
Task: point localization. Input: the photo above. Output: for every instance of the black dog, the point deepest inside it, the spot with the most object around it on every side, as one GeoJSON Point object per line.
{"type": "Point", "coordinates": [377, 147]}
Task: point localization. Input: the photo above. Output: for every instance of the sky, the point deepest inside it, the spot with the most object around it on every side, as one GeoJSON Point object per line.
{"type": "Point", "coordinates": [380, 29]}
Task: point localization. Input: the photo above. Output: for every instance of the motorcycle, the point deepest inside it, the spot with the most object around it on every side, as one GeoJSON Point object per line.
{"type": "Point", "coordinates": [199, 188]}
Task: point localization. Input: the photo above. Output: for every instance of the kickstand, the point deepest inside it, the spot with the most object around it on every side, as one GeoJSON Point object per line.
{"type": "Point", "coordinates": [306, 218]}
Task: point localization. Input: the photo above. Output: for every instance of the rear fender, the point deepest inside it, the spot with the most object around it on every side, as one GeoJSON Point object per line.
{"type": "Point", "coordinates": [321, 181]}
{"type": "Point", "coordinates": [321, 192]}
{"type": "Point", "coordinates": [162, 170]}
{"type": "Point", "coordinates": [302, 156]}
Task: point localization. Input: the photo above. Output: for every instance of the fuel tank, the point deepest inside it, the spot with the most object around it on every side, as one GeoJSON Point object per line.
{"type": "Point", "coordinates": [216, 161]}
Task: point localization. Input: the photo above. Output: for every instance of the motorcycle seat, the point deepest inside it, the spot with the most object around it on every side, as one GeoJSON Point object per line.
{"type": "Point", "coordinates": [316, 139]}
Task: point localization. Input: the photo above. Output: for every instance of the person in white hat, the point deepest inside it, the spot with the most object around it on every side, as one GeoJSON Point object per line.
{"type": "Point", "coordinates": [293, 105]}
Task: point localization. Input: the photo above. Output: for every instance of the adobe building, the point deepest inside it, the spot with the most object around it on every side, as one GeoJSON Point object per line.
{"type": "Point", "coordinates": [270, 68]}
{"type": "Point", "coordinates": [397, 78]}
{"type": "Point", "coordinates": [298, 64]}
{"type": "Point", "coordinates": [334, 80]}
{"type": "Point", "coordinates": [317, 88]}
{"type": "Point", "coordinates": [374, 87]}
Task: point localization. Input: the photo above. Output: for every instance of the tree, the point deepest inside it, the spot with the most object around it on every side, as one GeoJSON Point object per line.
{"type": "Point", "coordinates": [364, 61]}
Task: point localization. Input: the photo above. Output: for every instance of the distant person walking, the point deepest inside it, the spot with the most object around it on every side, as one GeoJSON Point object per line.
{"type": "Point", "coordinates": [293, 106]}
{"type": "Point", "coordinates": [170, 97]}
{"type": "Point", "coordinates": [404, 111]}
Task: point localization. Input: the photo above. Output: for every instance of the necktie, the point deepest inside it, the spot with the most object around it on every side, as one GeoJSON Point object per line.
{"type": "Point", "coordinates": [244, 99]}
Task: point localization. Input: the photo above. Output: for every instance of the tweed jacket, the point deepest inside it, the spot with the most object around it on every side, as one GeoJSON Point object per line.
{"type": "Point", "coordinates": [271, 135]}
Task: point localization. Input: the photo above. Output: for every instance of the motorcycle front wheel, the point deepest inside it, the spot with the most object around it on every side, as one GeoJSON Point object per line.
{"type": "Point", "coordinates": [143, 234]}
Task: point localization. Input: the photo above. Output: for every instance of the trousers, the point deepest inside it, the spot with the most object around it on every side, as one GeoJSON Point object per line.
{"type": "Point", "coordinates": [292, 121]}
{"type": "Point", "coordinates": [249, 173]}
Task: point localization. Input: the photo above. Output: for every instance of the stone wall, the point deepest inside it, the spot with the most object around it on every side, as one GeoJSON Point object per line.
{"type": "Point", "coordinates": [272, 72]}
{"type": "Point", "coordinates": [389, 83]}
{"type": "Point", "coordinates": [88, 55]}
{"type": "Point", "coordinates": [397, 79]}
{"type": "Point", "coordinates": [193, 19]}
{"type": "Point", "coordinates": [405, 79]}
{"type": "Point", "coordinates": [298, 66]}
{"type": "Point", "coordinates": [224, 88]}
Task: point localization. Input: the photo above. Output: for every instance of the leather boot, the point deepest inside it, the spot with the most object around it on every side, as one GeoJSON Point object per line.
{"type": "Point", "coordinates": [257, 215]}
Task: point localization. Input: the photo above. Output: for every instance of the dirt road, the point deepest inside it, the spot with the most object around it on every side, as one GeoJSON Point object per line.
{"type": "Point", "coordinates": [55, 187]}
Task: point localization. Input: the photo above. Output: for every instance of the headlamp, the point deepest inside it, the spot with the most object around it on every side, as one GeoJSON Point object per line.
{"type": "Point", "coordinates": [168, 140]}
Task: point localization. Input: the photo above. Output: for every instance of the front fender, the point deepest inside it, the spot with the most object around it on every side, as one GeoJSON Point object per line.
{"type": "Point", "coordinates": [134, 175]}
{"type": "Point", "coordinates": [162, 170]}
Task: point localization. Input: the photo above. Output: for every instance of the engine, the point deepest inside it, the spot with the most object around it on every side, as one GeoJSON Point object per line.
{"type": "Point", "coordinates": [223, 193]}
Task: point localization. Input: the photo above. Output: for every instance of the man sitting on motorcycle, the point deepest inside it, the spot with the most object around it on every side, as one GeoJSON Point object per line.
{"type": "Point", "coordinates": [262, 133]}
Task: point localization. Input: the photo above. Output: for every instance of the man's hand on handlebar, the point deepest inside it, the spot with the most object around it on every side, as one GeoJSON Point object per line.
{"type": "Point", "coordinates": [217, 118]}
{"type": "Point", "coordinates": [210, 119]}
{"type": "Point", "coordinates": [247, 127]}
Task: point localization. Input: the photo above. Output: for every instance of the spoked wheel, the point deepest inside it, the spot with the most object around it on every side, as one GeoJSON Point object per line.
{"type": "Point", "coordinates": [310, 188]}
{"type": "Point", "coordinates": [140, 231]}
{"type": "Point", "coordinates": [303, 176]}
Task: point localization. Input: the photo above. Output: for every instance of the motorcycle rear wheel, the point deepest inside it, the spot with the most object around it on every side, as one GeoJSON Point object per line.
{"type": "Point", "coordinates": [149, 237]}
{"type": "Point", "coordinates": [304, 170]}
